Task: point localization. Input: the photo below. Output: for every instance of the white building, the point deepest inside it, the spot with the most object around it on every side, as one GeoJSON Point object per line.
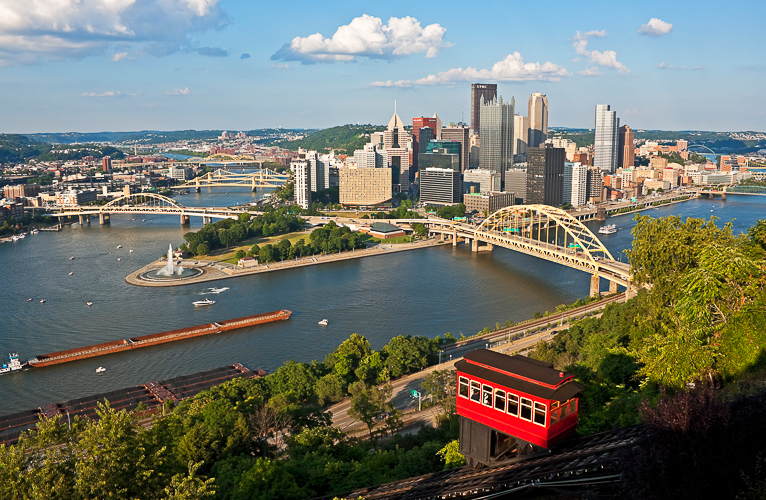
{"type": "Point", "coordinates": [485, 180]}
{"type": "Point", "coordinates": [302, 170]}
{"type": "Point", "coordinates": [575, 184]}
{"type": "Point", "coordinates": [607, 141]}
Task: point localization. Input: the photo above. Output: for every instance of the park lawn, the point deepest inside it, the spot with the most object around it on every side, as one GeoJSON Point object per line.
{"type": "Point", "coordinates": [227, 254]}
{"type": "Point", "coordinates": [394, 241]}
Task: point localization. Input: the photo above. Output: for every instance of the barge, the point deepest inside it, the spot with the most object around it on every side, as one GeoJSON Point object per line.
{"type": "Point", "coordinates": [114, 346]}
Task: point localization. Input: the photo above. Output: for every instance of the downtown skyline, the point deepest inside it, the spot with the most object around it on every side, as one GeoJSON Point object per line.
{"type": "Point", "coordinates": [209, 64]}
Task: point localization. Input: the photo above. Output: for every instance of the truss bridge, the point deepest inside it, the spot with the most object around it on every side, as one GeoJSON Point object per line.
{"type": "Point", "coordinates": [261, 178]}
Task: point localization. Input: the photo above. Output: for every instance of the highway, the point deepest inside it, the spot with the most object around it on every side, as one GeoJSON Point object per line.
{"type": "Point", "coordinates": [496, 341]}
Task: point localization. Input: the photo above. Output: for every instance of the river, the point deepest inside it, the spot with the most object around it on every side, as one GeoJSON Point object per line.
{"type": "Point", "coordinates": [422, 292]}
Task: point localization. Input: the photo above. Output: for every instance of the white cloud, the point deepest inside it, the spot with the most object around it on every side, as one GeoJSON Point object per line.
{"type": "Point", "coordinates": [607, 58]}
{"type": "Point", "coordinates": [367, 36]}
{"type": "Point", "coordinates": [280, 66]}
{"type": "Point", "coordinates": [51, 30]}
{"type": "Point", "coordinates": [593, 71]}
{"type": "Point", "coordinates": [655, 27]}
{"type": "Point", "coordinates": [511, 69]}
{"type": "Point", "coordinates": [184, 91]}
{"type": "Point", "coordinates": [390, 83]}
{"type": "Point", "coordinates": [111, 93]}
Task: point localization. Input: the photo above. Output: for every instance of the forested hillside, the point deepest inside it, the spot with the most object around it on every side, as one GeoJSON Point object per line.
{"type": "Point", "coordinates": [344, 139]}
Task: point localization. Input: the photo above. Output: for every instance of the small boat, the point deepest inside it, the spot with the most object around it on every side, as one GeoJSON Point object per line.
{"type": "Point", "coordinates": [608, 229]}
{"type": "Point", "coordinates": [118, 258]}
{"type": "Point", "coordinates": [71, 273]}
{"type": "Point", "coordinates": [130, 251]}
{"type": "Point", "coordinates": [29, 299]}
{"type": "Point", "coordinates": [711, 210]}
{"type": "Point", "coordinates": [34, 231]}
{"type": "Point", "coordinates": [71, 258]}
{"type": "Point", "coordinates": [206, 302]}
{"type": "Point", "coordinates": [132, 219]}
{"type": "Point", "coordinates": [324, 322]}
{"type": "Point", "coordinates": [100, 369]}
{"type": "Point", "coordinates": [89, 303]}
{"type": "Point", "coordinates": [42, 301]}
{"type": "Point", "coordinates": [143, 220]}
{"type": "Point", "coordinates": [119, 246]}
{"type": "Point", "coordinates": [13, 364]}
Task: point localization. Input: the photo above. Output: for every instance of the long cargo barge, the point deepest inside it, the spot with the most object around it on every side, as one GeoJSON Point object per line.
{"type": "Point", "coordinates": [91, 351]}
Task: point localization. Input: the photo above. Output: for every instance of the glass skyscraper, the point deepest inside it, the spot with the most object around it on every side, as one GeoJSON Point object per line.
{"type": "Point", "coordinates": [606, 146]}
{"type": "Point", "coordinates": [496, 135]}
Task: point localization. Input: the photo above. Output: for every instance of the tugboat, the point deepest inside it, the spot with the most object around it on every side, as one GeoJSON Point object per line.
{"type": "Point", "coordinates": [608, 229]}
{"type": "Point", "coordinates": [206, 302]}
{"type": "Point", "coordinates": [13, 364]}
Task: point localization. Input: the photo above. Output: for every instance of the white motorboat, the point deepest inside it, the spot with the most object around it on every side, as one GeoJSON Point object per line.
{"type": "Point", "coordinates": [131, 250]}
{"type": "Point", "coordinates": [119, 246]}
{"type": "Point", "coordinates": [119, 258]}
{"type": "Point", "coordinates": [89, 303]}
{"type": "Point", "coordinates": [42, 301]}
{"type": "Point", "coordinates": [71, 258]}
{"type": "Point", "coordinates": [29, 299]}
{"type": "Point", "coordinates": [100, 369]}
{"type": "Point", "coordinates": [608, 229]}
{"type": "Point", "coordinates": [324, 322]}
{"type": "Point", "coordinates": [71, 273]}
{"type": "Point", "coordinates": [206, 302]}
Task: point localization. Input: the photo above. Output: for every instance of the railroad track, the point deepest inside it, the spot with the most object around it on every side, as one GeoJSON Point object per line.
{"type": "Point", "coordinates": [577, 463]}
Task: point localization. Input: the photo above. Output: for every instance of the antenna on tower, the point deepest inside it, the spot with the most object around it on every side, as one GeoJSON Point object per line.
{"type": "Point", "coordinates": [394, 106]}
{"type": "Point", "coordinates": [462, 113]}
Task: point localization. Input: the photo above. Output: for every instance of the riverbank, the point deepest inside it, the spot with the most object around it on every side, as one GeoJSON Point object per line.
{"type": "Point", "coordinates": [214, 271]}
{"type": "Point", "coordinates": [650, 207]}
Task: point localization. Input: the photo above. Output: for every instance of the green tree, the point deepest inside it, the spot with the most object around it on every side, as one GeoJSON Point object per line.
{"type": "Point", "coordinates": [440, 386]}
{"type": "Point", "coordinates": [190, 486]}
{"type": "Point", "coordinates": [330, 389]}
{"type": "Point", "coordinates": [293, 377]}
{"type": "Point", "coordinates": [409, 354]}
{"type": "Point", "coordinates": [368, 403]}
{"type": "Point", "coordinates": [202, 249]}
{"type": "Point", "coordinates": [451, 456]}
{"type": "Point", "coordinates": [346, 358]}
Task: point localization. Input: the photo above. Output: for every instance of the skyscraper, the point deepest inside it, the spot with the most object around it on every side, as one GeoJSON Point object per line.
{"type": "Point", "coordinates": [396, 148]}
{"type": "Point", "coordinates": [575, 184]}
{"type": "Point", "coordinates": [461, 135]}
{"type": "Point", "coordinates": [417, 145]}
{"type": "Point", "coordinates": [545, 175]}
{"type": "Point", "coordinates": [538, 119]}
{"type": "Point", "coordinates": [496, 136]}
{"type": "Point", "coordinates": [520, 134]}
{"type": "Point", "coordinates": [605, 154]}
{"type": "Point", "coordinates": [627, 152]}
{"type": "Point", "coordinates": [478, 90]}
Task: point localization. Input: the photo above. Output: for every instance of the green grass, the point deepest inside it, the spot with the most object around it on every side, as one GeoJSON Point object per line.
{"type": "Point", "coordinates": [227, 254]}
{"type": "Point", "coordinates": [394, 241]}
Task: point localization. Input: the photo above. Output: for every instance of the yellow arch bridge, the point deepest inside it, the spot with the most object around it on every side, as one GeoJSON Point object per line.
{"type": "Point", "coordinates": [261, 178]}
{"type": "Point", "coordinates": [545, 232]}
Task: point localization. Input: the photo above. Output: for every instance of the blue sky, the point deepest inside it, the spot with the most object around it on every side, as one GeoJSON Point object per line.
{"type": "Point", "coordinates": [95, 65]}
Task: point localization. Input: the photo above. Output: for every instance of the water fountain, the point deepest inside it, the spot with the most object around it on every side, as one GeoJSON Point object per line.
{"type": "Point", "coordinates": [170, 269]}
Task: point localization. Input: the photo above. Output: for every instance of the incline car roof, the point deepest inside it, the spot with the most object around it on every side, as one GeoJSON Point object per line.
{"type": "Point", "coordinates": [489, 366]}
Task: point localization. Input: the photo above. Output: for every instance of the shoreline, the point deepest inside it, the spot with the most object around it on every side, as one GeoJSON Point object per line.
{"type": "Point", "coordinates": [658, 206]}
{"type": "Point", "coordinates": [214, 271]}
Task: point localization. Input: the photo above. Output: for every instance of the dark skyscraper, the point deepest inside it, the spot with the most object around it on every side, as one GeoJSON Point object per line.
{"type": "Point", "coordinates": [460, 134]}
{"type": "Point", "coordinates": [479, 90]}
{"type": "Point", "coordinates": [627, 151]}
{"type": "Point", "coordinates": [545, 176]}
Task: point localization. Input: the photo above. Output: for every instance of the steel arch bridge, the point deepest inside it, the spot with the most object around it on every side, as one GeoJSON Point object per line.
{"type": "Point", "coordinates": [260, 178]}
{"type": "Point", "coordinates": [700, 146]}
{"type": "Point", "coordinates": [545, 232]}
{"type": "Point", "coordinates": [142, 200]}
{"type": "Point", "coordinates": [231, 158]}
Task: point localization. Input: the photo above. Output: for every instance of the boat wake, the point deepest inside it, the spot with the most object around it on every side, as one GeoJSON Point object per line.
{"type": "Point", "coordinates": [213, 290]}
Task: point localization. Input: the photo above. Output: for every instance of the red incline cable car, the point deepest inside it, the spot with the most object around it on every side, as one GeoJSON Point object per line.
{"type": "Point", "coordinates": [510, 406]}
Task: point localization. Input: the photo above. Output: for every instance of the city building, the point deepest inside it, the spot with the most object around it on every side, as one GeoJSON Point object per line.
{"type": "Point", "coordinates": [570, 148]}
{"type": "Point", "coordinates": [418, 145]}
{"type": "Point", "coordinates": [11, 209]}
{"type": "Point", "coordinates": [180, 173]}
{"type": "Point", "coordinates": [369, 157]}
{"type": "Point", "coordinates": [106, 164]}
{"type": "Point", "coordinates": [545, 175]}
{"type": "Point", "coordinates": [496, 136]}
{"type": "Point", "coordinates": [440, 186]}
{"type": "Point", "coordinates": [479, 91]}
{"type": "Point", "coordinates": [439, 158]}
{"type": "Point", "coordinates": [397, 144]}
{"type": "Point", "coordinates": [520, 134]}
{"type": "Point", "coordinates": [473, 155]}
{"type": "Point", "coordinates": [21, 190]}
{"type": "Point", "coordinates": [301, 168]}
{"type": "Point", "coordinates": [658, 162]}
{"type": "Point", "coordinates": [488, 203]}
{"type": "Point", "coordinates": [365, 186]}
{"type": "Point", "coordinates": [575, 184]}
{"type": "Point", "coordinates": [516, 182]}
{"type": "Point", "coordinates": [537, 114]}
{"type": "Point", "coordinates": [595, 186]}
{"type": "Point", "coordinates": [460, 134]}
{"type": "Point", "coordinates": [75, 198]}
{"type": "Point", "coordinates": [482, 180]}
{"type": "Point", "coordinates": [606, 146]}
{"type": "Point", "coordinates": [627, 150]}
{"type": "Point", "coordinates": [383, 230]}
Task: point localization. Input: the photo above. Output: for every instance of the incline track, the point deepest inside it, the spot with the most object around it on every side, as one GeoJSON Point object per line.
{"type": "Point", "coordinates": [579, 462]}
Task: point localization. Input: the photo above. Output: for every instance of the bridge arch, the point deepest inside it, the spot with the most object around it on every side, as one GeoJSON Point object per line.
{"type": "Point", "coordinates": [151, 200]}
{"type": "Point", "coordinates": [701, 146]}
{"type": "Point", "coordinates": [553, 226]}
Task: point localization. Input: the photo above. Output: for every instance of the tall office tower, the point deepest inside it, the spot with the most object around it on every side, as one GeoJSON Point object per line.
{"type": "Point", "coordinates": [496, 136]}
{"type": "Point", "coordinates": [461, 135]}
{"type": "Point", "coordinates": [438, 129]}
{"type": "Point", "coordinates": [302, 170]}
{"type": "Point", "coordinates": [440, 186]}
{"type": "Point", "coordinates": [545, 175]}
{"type": "Point", "coordinates": [595, 185]}
{"type": "Point", "coordinates": [396, 148]}
{"type": "Point", "coordinates": [627, 151]}
{"type": "Point", "coordinates": [487, 91]}
{"type": "Point", "coordinates": [537, 115]}
{"type": "Point", "coordinates": [520, 134]}
{"type": "Point", "coordinates": [106, 163]}
{"type": "Point", "coordinates": [516, 182]}
{"type": "Point", "coordinates": [575, 184]}
{"type": "Point", "coordinates": [417, 143]}
{"type": "Point", "coordinates": [474, 151]}
{"type": "Point", "coordinates": [605, 155]}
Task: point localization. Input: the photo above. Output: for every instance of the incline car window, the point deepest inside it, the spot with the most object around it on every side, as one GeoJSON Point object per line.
{"type": "Point", "coordinates": [487, 396]}
{"type": "Point", "coordinates": [475, 391]}
{"type": "Point", "coordinates": [554, 412]}
{"type": "Point", "coordinates": [513, 404]}
{"type": "Point", "coordinates": [526, 409]}
{"type": "Point", "coordinates": [464, 387]}
{"type": "Point", "coordinates": [500, 400]}
{"type": "Point", "coordinates": [540, 414]}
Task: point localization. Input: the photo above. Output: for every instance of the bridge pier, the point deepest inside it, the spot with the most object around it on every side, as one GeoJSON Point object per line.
{"type": "Point", "coordinates": [710, 195]}
{"type": "Point", "coordinates": [601, 213]}
{"type": "Point", "coordinates": [454, 239]}
{"type": "Point", "coordinates": [82, 220]}
{"type": "Point", "coordinates": [206, 220]}
{"type": "Point", "coordinates": [197, 189]}
{"type": "Point", "coordinates": [475, 247]}
{"type": "Point", "coordinates": [103, 218]}
{"type": "Point", "coordinates": [612, 287]}
{"type": "Point", "coordinates": [185, 220]}
{"type": "Point", "coordinates": [595, 285]}
{"type": "Point", "coordinates": [723, 196]}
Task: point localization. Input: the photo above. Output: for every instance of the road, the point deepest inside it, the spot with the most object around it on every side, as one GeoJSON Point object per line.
{"type": "Point", "coordinates": [497, 341]}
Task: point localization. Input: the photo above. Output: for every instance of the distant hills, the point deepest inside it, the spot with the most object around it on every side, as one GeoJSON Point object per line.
{"type": "Point", "coordinates": [343, 139]}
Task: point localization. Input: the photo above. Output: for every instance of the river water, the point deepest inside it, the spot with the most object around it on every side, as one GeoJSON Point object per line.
{"type": "Point", "coordinates": [422, 292]}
